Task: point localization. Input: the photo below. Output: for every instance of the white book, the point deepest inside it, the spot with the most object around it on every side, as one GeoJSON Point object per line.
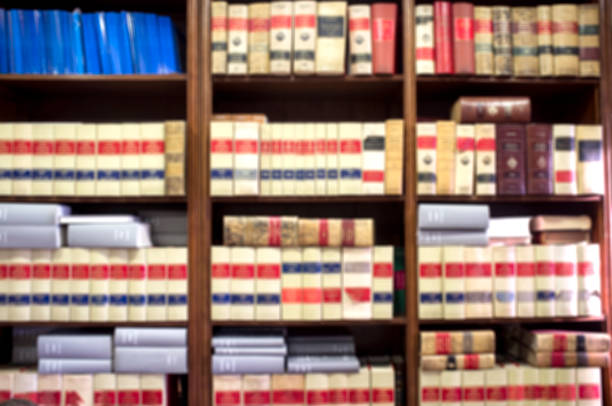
{"type": "Point", "coordinates": [5, 256]}
{"type": "Point", "coordinates": [331, 282]}
{"type": "Point", "coordinates": [289, 158]}
{"type": "Point", "coordinates": [316, 388]}
{"type": "Point", "coordinates": [589, 280]}
{"type": "Point", "coordinates": [276, 177]}
{"type": "Point", "coordinates": [545, 280]}
{"type": "Point", "coordinates": [525, 281]}
{"type": "Point", "coordinates": [22, 159]}
{"type": "Point", "coordinates": [6, 158]}
{"type": "Point", "coordinates": [357, 283]}
{"type": "Point", "coordinates": [86, 160]}
{"type": "Point", "coordinates": [478, 282]}
{"type": "Point", "coordinates": [311, 283]}
{"type": "Point", "coordinates": [473, 384]}
{"type": "Point", "coordinates": [360, 37]}
{"type": "Point", "coordinates": [246, 158]}
{"type": "Point", "coordinates": [281, 24]}
{"type": "Point", "coordinates": [566, 386]}
{"type": "Point", "coordinates": [566, 281]}
{"type": "Point", "coordinates": [242, 283]}
{"type": "Point", "coordinates": [515, 384]}
{"type": "Point", "coordinates": [227, 389]}
{"type": "Point", "coordinates": [320, 158]}
{"type": "Point", "coordinates": [265, 174]}
{"type": "Point", "coordinates": [331, 154]}
{"type": "Point", "coordinates": [157, 279]}
{"type": "Point", "coordinates": [154, 389]}
{"type": "Point", "coordinates": [218, 27]}
{"type": "Point", "coordinates": [564, 159]}
{"type": "Point", "coordinates": [590, 167]}
{"type": "Point", "coordinates": [429, 388]}
{"type": "Point", "coordinates": [588, 387]}
{"type": "Point", "coordinates": [430, 282]}
{"type": "Point", "coordinates": [25, 386]}
{"type": "Point", "coordinates": [108, 160]}
{"type": "Point", "coordinates": [99, 270]}
{"type": "Point", "coordinates": [177, 288]}
{"type": "Point", "coordinates": [220, 282]}
{"type": "Point", "coordinates": [268, 283]}
{"type": "Point", "coordinates": [152, 159]}
{"type": "Point", "coordinates": [42, 159]}
{"type": "Point", "coordinates": [504, 282]}
{"type": "Point", "coordinates": [308, 159]}
{"type": "Point", "coordinates": [547, 380]}
{"type": "Point", "coordinates": [137, 284]}
{"type": "Point", "coordinates": [60, 284]}
{"type": "Point", "coordinates": [485, 159]}
{"type": "Point", "coordinates": [382, 282]}
{"type": "Point", "coordinates": [50, 389]}
{"type": "Point", "coordinates": [496, 382]}
{"type": "Point", "coordinates": [304, 40]}
{"type": "Point", "coordinates": [128, 388]}
{"type": "Point", "coordinates": [105, 389]}
{"type": "Point", "coordinates": [373, 159]}
{"type": "Point", "coordinates": [20, 285]}
{"type": "Point", "coordinates": [79, 284]}
{"type": "Point", "coordinates": [531, 391]}
{"type": "Point", "coordinates": [359, 387]}
{"type": "Point", "coordinates": [130, 159]}
{"type": "Point", "coordinates": [350, 158]}
{"type": "Point", "coordinates": [77, 386]}
{"type": "Point", "coordinates": [464, 159]}
{"type": "Point", "coordinates": [426, 158]}
{"type": "Point", "coordinates": [64, 162]}
{"type": "Point", "coordinates": [41, 285]}
{"type": "Point", "coordinates": [424, 38]}
{"type": "Point", "coordinates": [450, 388]}
{"type": "Point", "coordinates": [299, 143]}
{"type": "Point", "coordinates": [382, 383]}
{"type": "Point", "coordinates": [118, 285]}
{"type": "Point", "coordinates": [338, 384]}
{"type": "Point", "coordinates": [291, 284]}
{"type": "Point", "coordinates": [453, 282]}
{"type": "Point", "coordinates": [237, 41]}
{"type": "Point", "coordinates": [331, 37]}
{"type": "Point", "coordinates": [221, 158]}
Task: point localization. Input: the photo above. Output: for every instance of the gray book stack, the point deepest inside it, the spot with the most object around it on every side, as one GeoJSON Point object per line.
{"type": "Point", "coordinates": [453, 224]}
{"type": "Point", "coordinates": [322, 354]}
{"type": "Point", "coordinates": [151, 350]}
{"type": "Point", "coordinates": [74, 353]}
{"type": "Point", "coordinates": [245, 353]}
{"type": "Point", "coordinates": [31, 226]}
{"type": "Point", "coordinates": [168, 227]}
{"type": "Point", "coordinates": [100, 231]}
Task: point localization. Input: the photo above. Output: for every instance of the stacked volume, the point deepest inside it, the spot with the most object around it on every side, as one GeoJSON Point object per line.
{"type": "Point", "coordinates": [74, 354]}
{"type": "Point", "coordinates": [456, 350]}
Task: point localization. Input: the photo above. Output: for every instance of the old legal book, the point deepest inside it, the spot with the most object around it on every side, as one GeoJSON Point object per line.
{"type": "Point", "coordinates": [360, 34]}
{"type": "Point", "coordinates": [128, 389]}
{"type": "Point", "coordinates": [525, 41]}
{"type": "Point", "coordinates": [256, 389]}
{"type": "Point", "coordinates": [130, 159]}
{"type": "Point", "coordinates": [445, 157]}
{"type": "Point", "coordinates": [463, 38]}
{"type": "Point", "coordinates": [564, 159]}
{"type": "Point", "coordinates": [242, 283]}
{"type": "Point", "coordinates": [260, 230]}
{"type": "Point", "coordinates": [565, 341]}
{"type": "Point", "coordinates": [317, 388]}
{"type": "Point", "coordinates": [496, 382]}
{"type": "Point", "coordinates": [288, 389]}
{"type": "Point", "coordinates": [77, 389]}
{"type": "Point", "coordinates": [156, 283]}
{"type": "Point", "coordinates": [450, 388]}
{"type": "Point", "coordinates": [331, 37]}
{"type": "Point", "coordinates": [221, 158]}
{"type": "Point", "coordinates": [589, 280]}
{"type": "Point", "coordinates": [338, 384]}
{"type": "Point", "coordinates": [60, 284]}
{"type": "Point", "coordinates": [429, 387]}
{"type": "Point", "coordinates": [426, 158]}
{"type": "Point", "coordinates": [565, 39]}
{"type": "Point", "coordinates": [246, 158]}
{"type": "Point", "coordinates": [560, 223]}
{"type": "Point", "coordinates": [504, 282]}
{"type": "Point", "coordinates": [483, 40]}
{"type": "Point", "coordinates": [384, 22]}
{"type": "Point", "coordinates": [152, 159]}
{"type": "Point", "coordinates": [268, 283]}
{"type": "Point", "coordinates": [443, 37]}
{"type": "Point", "coordinates": [177, 289]}
{"type": "Point", "coordinates": [6, 158]}
{"type": "Point", "coordinates": [382, 283]}
{"type": "Point", "coordinates": [64, 162]}
{"type": "Point", "coordinates": [561, 237]}
{"type": "Point", "coordinates": [545, 280]}
{"type": "Point", "coordinates": [319, 232]}
{"type": "Point", "coordinates": [237, 39]}
{"type": "Point", "coordinates": [42, 159]}
{"type": "Point", "coordinates": [478, 282]}
{"type": "Point", "coordinates": [118, 285]}
{"type": "Point", "coordinates": [320, 158]}
{"type": "Point", "coordinates": [175, 157]}
{"type": "Point", "coordinates": [486, 161]}
{"type": "Point", "coordinates": [453, 282]}
{"type": "Point", "coordinates": [291, 283]}
{"type": "Point", "coordinates": [86, 160]}
{"type": "Point", "coordinates": [483, 109]}
{"type": "Point", "coordinates": [79, 285]}
{"type": "Point", "coordinates": [373, 166]}
{"type": "Point", "coordinates": [281, 24]}
{"type": "Point", "coordinates": [137, 284]}
{"type": "Point", "coordinates": [464, 160]}
{"type": "Point", "coordinates": [457, 342]}
{"type": "Point", "coordinates": [154, 389]}
{"type": "Point", "coordinates": [104, 389]}
{"type": "Point", "coordinates": [502, 40]}
{"type": "Point", "coordinates": [588, 40]}
{"type": "Point", "coordinates": [311, 283]}
{"type": "Point", "coordinates": [331, 158]}
{"type": "Point", "coordinates": [305, 37]}
{"type": "Point", "coordinates": [331, 282]}
{"type": "Point", "coordinates": [290, 154]}
{"type": "Point", "coordinates": [568, 359]}
{"type": "Point", "coordinates": [276, 172]}
{"type": "Point", "coordinates": [539, 159]}
{"type": "Point", "coordinates": [350, 158]}
{"type": "Point", "coordinates": [430, 282]}
{"type": "Point", "coordinates": [220, 283]}
{"type": "Point", "coordinates": [259, 29]}
{"type": "Point", "coordinates": [510, 140]}
{"type": "Point", "coordinates": [218, 45]}
{"type": "Point", "coordinates": [525, 281]}
{"type": "Point", "coordinates": [359, 387]}
{"type": "Point", "coordinates": [424, 38]}
{"type": "Point", "coordinates": [473, 385]}
{"type": "Point", "coordinates": [383, 383]}
{"type": "Point", "coordinates": [566, 281]}
{"type": "Point", "coordinates": [21, 149]}
{"type": "Point", "coordinates": [357, 283]}
{"type": "Point", "coordinates": [98, 288]}
{"type": "Point", "coordinates": [545, 45]}
{"type": "Point", "coordinates": [41, 284]}
{"type": "Point", "coordinates": [394, 157]}
{"type": "Point", "coordinates": [590, 169]}
{"type": "Point", "coordinates": [588, 387]}
{"type": "Point", "coordinates": [227, 390]}
{"type": "Point", "coordinates": [457, 362]}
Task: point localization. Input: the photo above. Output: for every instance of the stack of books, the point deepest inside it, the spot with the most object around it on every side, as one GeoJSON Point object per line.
{"type": "Point", "coordinates": [150, 350]}
{"type": "Point", "coordinates": [249, 353]}
{"type": "Point", "coordinates": [322, 354]}
{"type": "Point", "coordinates": [303, 37]}
{"type": "Point", "coordinates": [453, 224]}
{"type": "Point", "coordinates": [551, 230]}
{"type": "Point", "coordinates": [457, 350]}
{"type": "Point", "coordinates": [64, 42]}
{"type": "Point", "coordinates": [24, 226]}
{"type": "Point", "coordinates": [252, 157]}
{"type": "Point", "coordinates": [458, 38]}
{"type": "Point", "coordinates": [74, 354]}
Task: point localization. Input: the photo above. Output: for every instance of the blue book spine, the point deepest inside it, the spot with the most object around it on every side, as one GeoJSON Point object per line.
{"type": "Point", "coordinates": [76, 31]}
{"type": "Point", "coordinates": [15, 24]}
{"type": "Point", "coordinates": [65, 22]}
{"type": "Point", "coordinates": [39, 42]}
{"type": "Point", "coordinates": [125, 52]}
{"type": "Point", "coordinates": [169, 44]}
{"type": "Point", "coordinates": [153, 54]}
{"type": "Point", "coordinates": [140, 43]}
{"type": "Point", "coordinates": [90, 41]}
{"type": "Point", "coordinates": [53, 39]}
{"type": "Point", "coordinates": [4, 49]}
{"type": "Point", "coordinates": [128, 23]}
{"type": "Point", "coordinates": [28, 52]}
{"type": "Point", "coordinates": [103, 45]}
{"type": "Point", "coordinates": [112, 31]}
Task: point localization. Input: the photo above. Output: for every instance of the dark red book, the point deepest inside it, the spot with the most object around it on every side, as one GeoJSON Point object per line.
{"type": "Point", "coordinates": [539, 159]}
{"type": "Point", "coordinates": [463, 38]}
{"type": "Point", "coordinates": [443, 37]}
{"type": "Point", "coordinates": [510, 140]}
{"type": "Point", "coordinates": [384, 23]}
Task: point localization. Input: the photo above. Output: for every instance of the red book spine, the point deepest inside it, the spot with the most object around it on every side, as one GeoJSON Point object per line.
{"type": "Point", "coordinates": [443, 30]}
{"type": "Point", "coordinates": [463, 36]}
{"type": "Point", "coordinates": [510, 159]}
{"type": "Point", "coordinates": [384, 32]}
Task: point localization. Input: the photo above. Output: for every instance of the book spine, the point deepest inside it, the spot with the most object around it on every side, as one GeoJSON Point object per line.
{"type": "Point", "coordinates": [152, 159]}
{"type": "Point", "coordinates": [242, 283]}
{"type": "Point", "coordinates": [588, 387]}
{"type": "Point", "coordinates": [564, 159]}
{"type": "Point", "coordinates": [5, 256]}
{"type": "Point", "coordinates": [85, 160]}
{"type": "Point", "coordinates": [175, 139]}
{"type": "Point", "coordinates": [359, 393]}
{"type": "Point", "coordinates": [307, 150]}
{"type": "Point", "coordinates": [464, 159]}
{"type": "Point", "coordinates": [496, 382]}
{"type": "Point", "coordinates": [478, 282]}
{"type": "Point", "coordinates": [545, 44]}
{"type": "Point", "coordinates": [311, 284]}
{"type": "Point", "coordinates": [450, 387]}
{"type": "Point", "coordinates": [98, 289]}
{"type": "Point", "coordinates": [429, 387]}
{"type": "Point", "coordinates": [463, 38]}
{"type": "Point", "coordinates": [291, 284]}
{"type": "Point", "coordinates": [43, 150]}
{"type": "Point", "coordinates": [426, 158]}
{"type": "Point", "coordinates": [41, 285]}
{"type": "Point", "coordinates": [589, 140]}
{"type": "Point", "coordinates": [108, 160]}
{"type": "Point", "coordinates": [130, 159]}
{"type": "Point", "coordinates": [259, 30]}
{"type": "Point", "coordinates": [589, 280]}
{"type": "Point", "coordinates": [49, 389]}
{"type": "Point", "coordinates": [104, 389]}
{"type": "Point", "coordinates": [79, 284]}
{"type": "Point", "coordinates": [237, 39]}
{"type": "Point", "coordinates": [424, 37]}
{"type": "Point", "coordinates": [350, 158]}
{"type": "Point", "coordinates": [483, 40]}
{"type": "Point", "coordinates": [373, 159]}
{"type": "Point", "coordinates": [338, 392]}
{"type": "Point", "coordinates": [445, 157]}
{"type": "Point", "coordinates": [565, 39]}
{"type": "Point", "coordinates": [25, 386]}
{"type": "Point", "coordinates": [268, 283]}
{"type": "Point", "coordinates": [486, 173]}
{"type": "Point", "coordinates": [511, 159]}
{"type": "Point", "coordinates": [304, 40]}
{"type": "Point", "coordinates": [443, 37]}
{"type": "Point", "coordinates": [566, 281]}
{"type": "Point", "coordinates": [357, 283]}
{"type": "Point", "coordinates": [156, 281]}
{"type": "Point", "coordinates": [317, 388]}
{"type": "Point", "coordinates": [525, 281]}
{"type": "Point", "coordinates": [331, 157]}
{"type": "Point", "coordinates": [289, 158]}
{"type": "Point", "coordinates": [360, 37]}
{"type": "Point", "coordinates": [320, 158]}
{"type": "Point", "coordinates": [281, 24]}
{"type": "Point", "coordinates": [504, 281]}
{"type": "Point", "coordinates": [157, 337]}
{"type": "Point", "coordinates": [331, 269]}
{"type": "Point", "coordinates": [473, 387]}
{"type": "Point", "coordinates": [177, 289]}
{"type": "Point", "coordinates": [539, 159]}
{"type": "Point", "coordinates": [247, 364]}
{"type": "Point", "coordinates": [525, 41]}
{"type": "Point", "coordinates": [331, 38]}
{"type": "Point", "coordinates": [453, 282]}
{"type": "Point", "coordinates": [128, 390]}
{"type": "Point", "coordinates": [383, 385]}
{"type": "Point", "coordinates": [394, 157]}
{"type": "Point", "coordinates": [60, 284]}
{"type": "Point", "coordinates": [148, 360]}
{"type": "Point", "coordinates": [6, 158]}
{"type": "Point", "coordinates": [430, 282]}
{"type": "Point", "coordinates": [382, 282]}
{"type": "Point", "coordinates": [72, 366]}
{"type": "Point", "coordinates": [118, 285]}
{"type": "Point", "coordinates": [384, 22]}
{"type": "Point", "coordinates": [502, 40]}
{"type": "Point", "coordinates": [220, 283]}
{"type": "Point", "coordinates": [566, 386]}
{"type": "Point", "coordinates": [221, 158]}
{"type": "Point", "coordinates": [265, 158]}
{"type": "Point", "coordinates": [83, 348]}
{"type": "Point", "coordinates": [276, 173]}
{"type": "Point", "coordinates": [218, 45]}
{"type": "Point", "coordinates": [545, 280]}
{"type": "Point", "coordinates": [227, 390]}
{"type": "Point", "coordinates": [588, 40]}
{"type": "Point", "coordinates": [22, 159]}
{"type": "Point", "coordinates": [246, 158]}
{"type": "Point", "coordinates": [154, 389]}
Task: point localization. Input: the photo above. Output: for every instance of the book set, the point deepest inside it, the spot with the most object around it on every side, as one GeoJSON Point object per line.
{"type": "Point", "coordinates": [303, 37]}
{"type": "Point", "coordinates": [306, 159]}
{"type": "Point", "coordinates": [544, 40]}
{"type": "Point", "coordinates": [71, 42]}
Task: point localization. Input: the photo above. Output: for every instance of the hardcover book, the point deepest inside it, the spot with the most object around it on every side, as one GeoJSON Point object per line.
{"type": "Point", "coordinates": [373, 166]}
{"type": "Point", "coordinates": [6, 158]}
{"type": "Point", "coordinates": [360, 36]}
{"type": "Point", "coordinates": [510, 139]}
{"type": "Point", "coordinates": [99, 284]}
{"type": "Point", "coordinates": [445, 157]}
{"type": "Point", "coordinates": [430, 282]}
{"type": "Point", "coordinates": [130, 159]}
{"type": "Point", "coordinates": [564, 159]}
{"type": "Point", "coordinates": [429, 387]}
{"type": "Point", "coordinates": [137, 285]}
{"type": "Point", "coordinates": [589, 280]}
{"type": "Point", "coordinates": [350, 158]}
{"type": "Point", "coordinates": [60, 284]}
{"type": "Point", "coordinates": [590, 168]}
{"type": "Point", "coordinates": [545, 42]}
{"type": "Point", "coordinates": [320, 158]}
{"type": "Point", "coordinates": [502, 40]}
{"type": "Point", "coordinates": [443, 37]}
{"type": "Point", "coordinates": [331, 155]}
{"type": "Point", "coordinates": [394, 157]}
{"type": "Point", "coordinates": [539, 159]}
{"type": "Point", "coordinates": [259, 30]}
{"type": "Point", "coordinates": [221, 158]}
{"type": "Point", "coordinates": [108, 160]}
{"type": "Point", "coordinates": [545, 280]}
{"type": "Point", "coordinates": [22, 159]}
{"type": "Point", "coordinates": [457, 362]}
{"type": "Point", "coordinates": [242, 283]}
{"type": "Point", "coordinates": [227, 390]}
{"type": "Point", "coordinates": [424, 38]}
{"type": "Point", "coordinates": [464, 159]}
{"type": "Point", "coordinates": [156, 284]}
{"type": "Point", "coordinates": [473, 387]}
{"type": "Point", "coordinates": [525, 281]}
{"type": "Point", "coordinates": [525, 41]}
{"type": "Point", "coordinates": [331, 37]}
{"type": "Point", "coordinates": [267, 283]}
{"type": "Point", "coordinates": [453, 282]}
{"type": "Point", "coordinates": [382, 282]}
{"type": "Point", "coordinates": [79, 284]}
{"type": "Point", "coordinates": [486, 160]}
{"type": "Point", "coordinates": [450, 388]}
{"type": "Point", "coordinates": [483, 40]}
{"type": "Point", "coordinates": [152, 159]}
{"type": "Point", "coordinates": [426, 134]}
{"type": "Point", "coordinates": [41, 284]}
{"type": "Point", "coordinates": [305, 37]}
{"type": "Point", "coordinates": [118, 285]}
{"type": "Point", "coordinates": [291, 283]}
{"type": "Point", "coordinates": [86, 160]}
{"type": "Point", "coordinates": [588, 40]}
{"type": "Point", "coordinates": [237, 39]}
{"type": "Point", "coordinates": [43, 150]}
{"type": "Point", "coordinates": [331, 274]}
{"type": "Point", "coordinates": [246, 158]}
{"type": "Point", "coordinates": [463, 38]}
{"type": "Point", "coordinates": [359, 387]}
{"type": "Point", "coordinates": [588, 387]}
{"type": "Point", "coordinates": [218, 45]}
{"type": "Point", "coordinates": [478, 282]}
{"type": "Point", "coordinates": [384, 16]}
{"type": "Point", "coordinates": [474, 109]}
{"type": "Point", "coordinates": [311, 283]}
{"type": "Point", "coordinates": [565, 39]}
{"type": "Point", "coordinates": [289, 161]}
{"type": "Point", "coordinates": [504, 281]}
{"type": "Point", "coordinates": [566, 281]}
{"type": "Point", "coordinates": [357, 283]}
{"type": "Point", "coordinates": [175, 142]}
{"type": "Point", "coordinates": [281, 24]}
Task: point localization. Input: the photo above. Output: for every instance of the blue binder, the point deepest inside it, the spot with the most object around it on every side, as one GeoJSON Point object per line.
{"type": "Point", "coordinates": [103, 44]}
{"type": "Point", "coordinates": [4, 49]}
{"type": "Point", "coordinates": [65, 21]}
{"type": "Point", "coordinates": [127, 66]}
{"type": "Point", "coordinates": [76, 41]}
{"type": "Point", "coordinates": [127, 20]}
{"type": "Point", "coordinates": [90, 42]}
{"type": "Point", "coordinates": [140, 43]}
{"type": "Point", "coordinates": [153, 55]}
{"type": "Point", "coordinates": [15, 24]}
{"type": "Point", "coordinates": [112, 32]}
{"type": "Point", "coordinates": [53, 42]}
{"type": "Point", "coordinates": [170, 58]}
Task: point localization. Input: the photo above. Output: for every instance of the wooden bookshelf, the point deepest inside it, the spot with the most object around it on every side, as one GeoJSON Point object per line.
{"type": "Point", "coordinates": [157, 200]}
{"type": "Point", "coordinates": [396, 321]}
{"type": "Point", "coordinates": [94, 324]}
{"type": "Point", "coordinates": [513, 320]}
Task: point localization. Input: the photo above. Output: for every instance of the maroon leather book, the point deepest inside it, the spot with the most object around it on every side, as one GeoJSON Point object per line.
{"type": "Point", "coordinates": [384, 22]}
{"type": "Point", "coordinates": [463, 38]}
{"type": "Point", "coordinates": [443, 40]}
{"type": "Point", "coordinates": [539, 159]}
{"type": "Point", "coordinates": [487, 109]}
{"type": "Point", "coordinates": [510, 140]}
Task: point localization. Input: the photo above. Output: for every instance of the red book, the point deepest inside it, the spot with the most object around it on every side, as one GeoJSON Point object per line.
{"type": "Point", "coordinates": [463, 36]}
{"type": "Point", "coordinates": [442, 32]}
{"type": "Point", "coordinates": [384, 23]}
{"type": "Point", "coordinates": [539, 159]}
{"type": "Point", "coordinates": [510, 139]}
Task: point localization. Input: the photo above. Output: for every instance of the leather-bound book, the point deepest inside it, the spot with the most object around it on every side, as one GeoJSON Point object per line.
{"type": "Point", "coordinates": [539, 159]}
{"type": "Point", "coordinates": [443, 37]}
{"type": "Point", "coordinates": [483, 40]}
{"type": "Point", "coordinates": [486, 109]}
{"type": "Point", "coordinates": [502, 40]}
{"type": "Point", "coordinates": [525, 41]}
{"type": "Point", "coordinates": [463, 38]}
{"type": "Point", "coordinates": [565, 39]}
{"type": "Point", "coordinates": [384, 32]}
{"type": "Point", "coordinates": [588, 40]}
{"type": "Point", "coordinates": [510, 159]}
{"type": "Point", "coordinates": [561, 237]}
{"type": "Point", "coordinates": [545, 50]}
{"type": "Point", "coordinates": [424, 39]}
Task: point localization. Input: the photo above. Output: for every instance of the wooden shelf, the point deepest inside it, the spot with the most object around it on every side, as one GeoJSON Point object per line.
{"type": "Point", "coordinates": [399, 321]}
{"type": "Point", "coordinates": [512, 199]}
{"type": "Point", "coordinates": [306, 199]}
{"type": "Point", "coordinates": [93, 324]}
{"type": "Point", "coordinates": [513, 320]}
{"type": "Point", "coordinates": [94, 199]}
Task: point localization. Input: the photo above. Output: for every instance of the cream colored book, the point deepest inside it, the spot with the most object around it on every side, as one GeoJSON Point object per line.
{"type": "Point", "coordinates": [108, 160]}
{"type": "Point", "coordinates": [473, 387]}
{"type": "Point", "coordinates": [105, 389]}
{"type": "Point", "coordinates": [394, 157]}
{"type": "Point", "coordinates": [5, 256]}
{"type": "Point", "coordinates": [22, 159]}
{"type": "Point", "coordinates": [79, 284]}
{"type": "Point", "coordinates": [589, 279]}
{"type": "Point", "coordinates": [64, 163]}
{"type": "Point", "coordinates": [360, 37]}
{"type": "Point", "coordinates": [566, 281]}
{"type": "Point", "coordinates": [426, 158]}
{"type": "Point", "coordinates": [331, 282]}
{"type": "Point", "coordinates": [588, 40]}
{"type": "Point", "coordinates": [320, 159]}
{"type": "Point", "coordinates": [565, 39]}
{"type": "Point", "coordinates": [218, 33]}
{"type": "Point", "coordinates": [86, 160]}
{"type": "Point", "coordinates": [545, 40]}
{"type": "Point", "coordinates": [483, 40]}
{"type": "Point", "coordinates": [429, 261]}
{"type": "Point", "coordinates": [311, 283]}
{"type": "Point", "coordinates": [588, 387]}
{"type": "Point", "coordinates": [450, 388]}
{"type": "Point", "coordinates": [304, 40]}
{"type": "Point", "coordinates": [338, 384]}
{"type": "Point", "coordinates": [525, 281]}
{"type": "Point", "coordinates": [331, 154]}
{"type": "Point", "coordinates": [564, 159]}
{"type": "Point", "coordinates": [453, 282]}
{"type": "Point", "coordinates": [154, 389]}
{"type": "Point", "coordinates": [478, 282]}
{"type": "Point", "coordinates": [276, 177]}
{"type": "Point", "coordinates": [445, 157]}
{"type": "Point", "coordinates": [331, 37]}
{"type": "Point", "coordinates": [265, 160]}
{"type": "Point", "coordinates": [60, 284]}
{"type": "Point", "coordinates": [118, 285]}
{"type": "Point", "coordinates": [175, 140]}
{"type": "Point", "coordinates": [429, 388]}
{"type": "Point", "coordinates": [41, 285]}
{"type": "Point", "coordinates": [291, 284]}
{"type": "Point", "coordinates": [220, 282]}
{"type": "Point", "coordinates": [317, 388]}
{"type": "Point", "coordinates": [246, 158]}
{"type": "Point", "coordinates": [6, 158]}
{"type": "Point", "coordinates": [25, 386]}
{"type": "Point", "coordinates": [530, 377]}
{"type": "Point", "coordinates": [590, 167]}
{"type": "Point", "coordinates": [515, 384]}
{"type": "Point", "coordinates": [128, 388]}
{"type": "Point", "coordinates": [496, 381]}
{"type": "Point", "coordinates": [49, 389]}
{"type": "Point", "coordinates": [256, 388]}
{"type": "Point", "coordinates": [424, 38]}
{"type": "Point", "coordinates": [157, 280]}
{"type": "Point", "coordinates": [299, 146]}
{"type": "Point", "coordinates": [308, 160]}
{"type": "Point", "coordinates": [99, 270]}
{"type": "Point", "coordinates": [237, 39]}
{"type": "Point", "coordinates": [547, 380]}
{"type": "Point", "coordinates": [42, 159]}
{"type": "Point", "coordinates": [177, 287]}
{"type": "Point", "coordinates": [382, 282]}
{"type": "Point", "coordinates": [289, 158]}
{"type": "Point", "coordinates": [259, 29]}
{"type": "Point", "coordinates": [359, 387]}
{"type": "Point", "coordinates": [137, 284]}
{"type": "Point", "coordinates": [382, 383]}
{"type": "Point", "coordinates": [504, 281]}
{"type": "Point", "coordinates": [130, 159]}
{"type": "Point", "coordinates": [357, 283]}
{"type": "Point", "coordinates": [545, 280]}
{"type": "Point", "coordinates": [464, 159]}
{"type": "Point", "coordinates": [350, 158]}
{"type": "Point", "coordinates": [485, 159]}
{"type": "Point", "coordinates": [373, 159]}
{"type": "Point", "coordinates": [268, 283]}
{"type": "Point", "coordinates": [221, 158]}
{"type": "Point", "coordinates": [566, 386]}
{"type": "Point", "coordinates": [242, 283]}
{"type": "Point", "coordinates": [227, 390]}
{"type": "Point", "coordinates": [152, 159]}
{"type": "Point", "coordinates": [78, 386]}
{"type": "Point", "coordinates": [281, 29]}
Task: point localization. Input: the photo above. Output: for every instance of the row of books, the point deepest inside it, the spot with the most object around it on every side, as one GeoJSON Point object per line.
{"type": "Point", "coordinates": [509, 159]}
{"type": "Point", "coordinates": [86, 159]}
{"type": "Point", "coordinates": [303, 37]}
{"type": "Point", "coordinates": [301, 283]}
{"type": "Point", "coordinates": [441, 350]}
{"type": "Point", "coordinates": [76, 284]}
{"type": "Point", "coordinates": [547, 40]}
{"type": "Point", "coordinates": [458, 282]}
{"type": "Point", "coordinates": [64, 42]}
{"type": "Point", "coordinates": [83, 389]}
{"type": "Point", "coordinates": [248, 158]}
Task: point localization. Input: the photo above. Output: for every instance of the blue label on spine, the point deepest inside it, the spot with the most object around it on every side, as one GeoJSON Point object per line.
{"type": "Point", "coordinates": [109, 175]}
{"type": "Point", "coordinates": [177, 300]}
{"type": "Point", "coordinates": [546, 295]}
{"type": "Point", "coordinates": [6, 174]}
{"type": "Point", "coordinates": [221, 298]}
{"type": "Point", "coordinates": [2, 300]}
{"type": "Point", "coordinates": [64, 174]}
{"type": "Point", "coordinates": [19, 300]}
{"type": "Point", "coordinates": [309, 175]}
{"type": "Point", "coordinates": [156, 299]}
{"type": "Point", "coordinates": [292, 267]}
{"type": "Point", "coordinates": [99, 300]}
{"type": "Point", "coordinates": [287, 174]}
{"type": "Point", "coordinates": [299, 174]}
{"type": "Point", "coordinates": [268, 299]}
{"type": "Point", "coordinates": [221, 174]}
{"type": "Point", "coordinates": [41, 299]}
{"type": "Point", "coordinates": [264, 174]}
{"type": "Point", "coordinates": [137, 300]}
{"type": "Point", "coordinates": [431, 298]}
{"type": "Point", "coordinates": [320, 173]}
{"type": "Point", "coordinates": [85, 175]}
{"type": "Point", "coordinates": [454, 297]}
{"type": "Point", "coordinates": [133, 174]}
{"type": "Point", "coordinates": [350, 174]}
{"type": "Point", "coordinates": [332, 174]}
{"type": "Point", "coordinates": [118, 300]}
{"type": "Point", "coordinates": [60, 300]}
{"type": "Point", "coordinates": [243, 299]}
{"type": "Point", "coordinates": [42, 174]}
{"type": "Point", "coordinates": [311, 267]}
{"type": "Point", "coordinates": [331, 267]}
{"type": "Point", "coordinates": [277, 174]}
{"type": "Point", "coordinates": [22, 174]}
{"type": "Point", "coordinates": [383, 297]}
{"type": "Point", "coordinates": [504, 296]}
{"type": "Point", "coordinates": [80, 300]}
{"type": "Point", "coordinates": [152, 174]}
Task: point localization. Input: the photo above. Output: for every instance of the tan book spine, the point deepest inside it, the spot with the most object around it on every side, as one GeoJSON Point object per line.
{"type": "Point", "coordinates": [459, 361]}
{"type": "Point", "coordinates": [545, 50]}
{"type": "Point", "coordinates": [565, 39]}
{"type": "Point", "coordinates": [256, 390]}
{"type": "Point", "coordinates": [288, 390]}
{"type": "Point", "coordinates": [502, 40]}
{"type": "Point", "coordinates": [218, 45]}
{"type": "Point", "coordinates": [464, 159]}
{"type": "Point", "coordinates": [77, 389]}
{"type": "Point", "coordinates": [588, 40]}
{"type": "Point", "coordinates": [445, 157]}
{"type": "Point", "coordinates": [394, 157]}
{"type": "Point", "coordinates": [331, 37]}
{"type": "Point", "coordinates": [259, 31]}
{"type": "Point", "coordinates": [457, 342]}
{"type": "Point", "coordinates": [525, 41]}
{"type": "Point", "coordinates": [175, 157]}
{"type": "Point", "coordinates": [486, 162]}
{"type": "Point", "coordinates": [237, 39]}
{"type": "Point", "coordinates": [483, 40]}
{"type": "Point", "coordinates": [154, 389]}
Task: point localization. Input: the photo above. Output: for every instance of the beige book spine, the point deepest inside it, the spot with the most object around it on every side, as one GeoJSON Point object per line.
{"type": "Point", "coordinates": [128, 389]}
{"type": "Point", "coordinates": [382, 383]}
{"type": "Point", "coordinates": [6, 158]}
{"type": "Point", "coordinates": [382, 282]}
{"type": "Point", "coordinates": [118, 285]}
{"type": "Point", "coordinates": [237, 39]}
{"type": "Point", "coordinates": [218, 27]}
{"type": "Point", "coordinates": [485, 159]}
{"type": "Point", "coordinates": [331, 37]}
{"type": "Point", "coordinates": [426, 134]}
{"type": "Point", "coordinates": [41, 285]}
{"type": "Point", "coordinates": [430, 282]}
{"type": "Point", "coordinates": [268, 283]}
{"type": "Point", "coordinates": [177, 287]}
{"type": "Point", "coordinates": [281, 31]}
{"type": "Point", "coordinates": [79, 284]}
{"type": "Point", "coordinates": [360, 37]}
{"type": "Point", "coordinates": [86, 160]}
{"type": "Point", "coordinates": [464, 159]}
{"type": "Point", "coordinates": [311, 283]}
{"type": "Point", "coordinates": [227, 390]}
{"type": "Point", "coordinates": [445, 157]}
{"type": "Point", "coordinates": [291, 284]}
{"type": "Point", "coordinates": [154, 389]}
{"type": "Point", "coordinates": [105, 389]}
{"type": "Point", "coordinates": [525, 41]}
{"type": "Point", "coordinates": [545, 50]}
{"type": "Point", "coordinates": [49, 389]}
{"type": "Point", "coordinates": [242, 283]}
{"type": "Point", "coordinates": [98, 289]}
{"type": "Point", "coordinates": [130, 159]}
{"type": "Point", "coordinates": [20, 285]}
{"type": "Point", "coordinates": [259, 30]}
{"type": "Point", "coordinates": [394, 157]}
{"type": "Point", "coordinates": [60, 284]}
{"type": "Point", "coordinates": [42, 159]}
{"type": "Point", "coordinates": [453, 282]}
{"type": "Point", "coordinates": [22, 159]}
{"type": "Point", "coordinates": [137, 285]}
{"type": "Point", "coordinates": [590, 168]}
{"type": "Point", "coordinates": [156, 282]}
{"type": "Point", "coordinates": [483, 40]}
{"type": "Point", "coordinates": [77, 387]}
{"type": "Point", "coordinates": [588, 27]}
{"type": "Point", "coordinates": [175, 139]}
{"type": "Point", "coordinates": [359, 387]}
{"type": "Point", "coordinates": [565, 39]}
{"type": "Point", "coordinates": [220, 283]}
{"type": "Point", "coordinates": [304, 40]}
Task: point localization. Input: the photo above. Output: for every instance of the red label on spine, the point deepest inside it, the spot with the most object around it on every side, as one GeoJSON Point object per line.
{"type": "Point", "coordinates": [227, 398]}
{"type": "Point", "coordinates": [323, 232]}
{"type": "Point", "coordinates": [156, 271]}
{"type": "Point", "coordinates": [464, 29]}
{"type": "Point", "coordinates": [44, 147]}
{"type": "Point", "coordinates": [246, 147]}
{"type": "Point", "coordinates": [564, 269]}
{"type": "Point", "coordinates": [6, 147]}
{"type": "Point", "coordinates": [465, 144]}
{"type": "Point", "coordinates": [348, 233]}
{"type": "Point", "coordinates": [485, 144]}
{"type": "Point", "coordinates": [544, 27]}
{"type": "Point", "coordinates": [243, 271]}
{"type": "Point", "coordinates": [105, 397]}
{"type": "Point", "coordinates": [268, 271]}
{"type": "Point", "coordinates": [359, 395]}
{"type": "Point", "coordinates": [443, 343]}
{"type": "Point", "coordinates": [564, 176]}
{"type": "Point", "coordinates": [287, 397]}
{"type": "Point", "coordinates": [80, 271]}
{"type": "Point", "coordinates": [474, 394]}
{"type": "Point", "coordinates": [454, 270]}
{"type": "Point", "coordinates": [221, 146]}
{"type": "Point", "coordinates": [280, 21]}
{"type": "Point", "coordinates": [589, 391]}
{"type": "Point", "coordinates": [430, 394]}
{"type": "Point", "coordinates": [131, 147]}
{"type": "Point", "coordinates": [118, 271]}
{"type": "Point", "coordinates": [424, 53]}
{"type": "Point", "coordinates": [256, 397]}
{"type": "Point", "coordinates": [152, 147]}
{"type": "Point", "coordinates": [451, 394]}
{"type": "Point", "coordinates": [498, 393]}
{"type": "Point", "coordinates": [292, 295]}
{"type": "Point", "coordinates": [60, 271]}
{"type": "Point", "coordinates": [274, 231]}
{"type": "Point", "coordinates": [566, 393]}
{"type": "Point", "coordinates": [136, 271]}
{"type": "Point", "coordinates": [383, 395]}
{"type": "Point", "coordinates": [20, 271]}
{"type": "Point", "coordinates": [238, 24]}
{"type": "Point", "coordinates": [305, 21]}
{"type": "Point", "coordinates": [525, 269]}
{"type": "Point", "coordinates": [317, 397]}
{"type": "Point", "coordinates": [338, 396]}
{"type": "Point", "coordinates": [218, 23]}
{"type": "Point", "coordinates": [332, 295]}
{"type": "Point", "coordinates": [383, 270]}
{"type": "Point", "coordinates": [426, 142]}
{"type": "Point", "coordinates": [545, 268]}
{"type": "Point", "coordinates": [311, 295]}
{"type": "Point", "coordinates": [383, 29]}
{"type": "Point", "coordinates": [478, 270]}
{"type": "Point", "coordinates": [559, 342]}
{"type": "Point", "coordinates": [109, 147]}
{"type": "Point", "coordinates": [564, 27]}
{"type": "Point", "coordinates": [483, 26]}
{"type": "Point", "coordinates": [152, 397]}
{"type": "Point", "coordinates": [331, 146]}
{"type": "Point", "coordinates": [22, 147]}
{"type": "Point", "coordinates": [358, 294]}
{"type": "Point", "coordinates": [41, 271]}
{"type": "Point", "coordinates": [350, 146]}
{"type": "Point", "coordinates": [259, 24]}
{"type": "Point", "coordinates": [356, 24]}
{"type": "Point", "coordinates": [177, 271]}
{"type": "Point", "coordinates": [220, 270]}
{"type": "Point", "coordinates": [86, 147]}
{"type": "Point", "coordinates": [430, 270]}
{"type": "Point", "coordinates": [585, 269]}
{"type": "Point", "coordinates": [99, 271]}
{"type": "Point", "coordinates": [373, 176]}
{"type": "Point", "coordinates": [505, 269]}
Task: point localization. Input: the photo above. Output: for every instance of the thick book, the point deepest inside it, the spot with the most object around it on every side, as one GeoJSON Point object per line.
{"type": "Point", "coordinates": [311, 283]}
{"type": "Point", "coordinates": [568, 359]}
{"type": "Point", "coordinates": [384, 23]}
{"type": "Point", "coordinates": [281, 28]}
{"type": "Point", "coordinates": [22, 158]}
{"type": "Point", "coordinates": [268, 283]}
{"type": "Point", "coordinates": [156, 283]}
{"type": "Point", "coordinates": [281, 350]}
{"type": "Point", "coordinates": [259, 30]}
{"type": "Point", "coordinates": [590, 167]}
{"type": "Point", "coordinates": [41, 284]}
{"type": "Point", "coordinates": [242, 283]}
{"type": "Point", "coordinates": [382, 283]}
{"type": "Point", "coordinates": [150, 337]}
{"type": "Point", "coordinates": [148, 360]}
{"type": "Point", "coordinates": [108, 160]}
{"type": "Point", "coordinates": [137, 285]}
{"type": "Point", "coordinates": [316, 388]}
{"type": "Point", "coordinates": [510, 140]}
{"type": "Point", "coordinates": [359, 387]}
{"type": "Point", "coordinates": [152, 159]}
{"type": "Point", "coordinates": [322, 364]}
{"type": "Point", "coordinates": [560, 223]}
{"type": "Point", "coordinates": [589, 280]}
{"type": "Point", "coordinates": [176, 288]}
{"type": "Point", "coordinates": [457, 342]}
{"type": "Point", "coordinates": [453, 282]}
{"type": "Point", "coordinates": [565, 159]}
{"type": "Point", "coordinates": [565, 341]}
{"type": "Point", "coordinates": [118, 285]}
{"type": "Point", "coordinates": [45, 237]}
{"type": "Point", "coordinates": [429, 387]}
{"type": "Point", "coordinates": [394, 157]}
{"type": "Point", "coordinates": [426, 144]}
{"type": "Point", "coordinates": [235, 341]}
{"type": "Point", "coordinates": [504, 281]}
{"type": "Point", "coordinates": [6, 158]}
{"type": "Point", "coordinates": [134, 235]}
{"type": "Point", "coordinates": [350, 158]}
{"type": "Point", "coordinates": [248, 364]}
{"type": "Point", "coordinates": [443, 37]}
{"type": "Point", "coordinates": [450, 387]}
{"type": "Point", "coordinates": [60, 284]}
{"type": "Point", "coordinates": [79, 285]}
{"type": "Point", "coordinates": [545, 280]}
{"type": "Point", "coordinates": [320, 158]}
{"type": "Point", "coordinates": [565, 39]}
{"type": "Point", "coordinates": [486, 162]}
{"type": "Point", "coordinates": [49, 389]}
{"type": "Point", "coordinates": [483, 40]}
{"type": "Point", "coordinates": [74, 366]}
{"type": "Point", "coordinates": [430, 282]}
{"type": "Point", "coordinates": [588, 40]}
{"type": "Point", "coordinates": [288, 389]}
{"type": "Point", "coordinates": [545, 45]}
{"type": "Point", "coordinates": [485, 109]}
{"type": "Point", "coordinates": [74, 346]}
{"type": "Point", "coordinates": [331, 283]}
{"type": "Point", "coordinates": [463, 38]}
{"type": "Point", "coordinates": [85, 164]}
{"type": "Point", "coordinates": [473, 387]}
{"type": "Point", "coordinates": [435, 216]}
{"type": "Point", "coordinates": [318, 346]}
{"type": "Point", "coordinates": [220, 283]}
{"type": "Point", "coordinates": [33, 214]}
{"type": "Point", "coordinates": [291, 284]}
{"type": "Point", "coordinates": [237, 39]}
{"type": "Point", "coordinates": [246, 158]}
{"type": "Point", "coordinates": [289, 151]}
{"type": "Point", "coordinates": [331, 158]}
{"type": "Point", "coordinates": [130, 158]}
{"type": "Point", "coordinates": [226, 390]}
{"type": "Point", "coordinates": [221, 158]}
{"type": "Point", "coordinates": [43, 150]}
{"type": "Point", "coordinates": [360, 37]}
{"type": "Point", "coordinates": [539, 159]}
{"type": "Point", "coordinates": [424, 38]}
{"type": "Point", "coordinates": [588, 386]}
{"type": "Point", "coordinates": [502, 40]}
{"type": "Point", "coordinates": [19, 288]}
{"type": "Point", "coordinates": [175, 144]}
{"type": "Point", "coordinates": [445, 157]}
{"type": "Point", "coordinates": [99, 286]}
{"type": "Point", "coordinates": [357, 283]}
{"type": "Point", "coordinates": [525, 281]}
{"type": "Point", "coordinates": [452, 237]}
{"type": "Point", "coordinates": [373, 165]}
{"type": "Point", "coordinates": [331, 37]}
{"type": "Point", "coordinates": [478, 282]}
{"type": "Point", "coordinates": [525, 41]}
{"type": "Point", "coordinates": [305, 36]}
{"type": "Point", "coordinates": [265, 159]}
{"type": "Point", "coordinates": [464, 159]}
{"type": "Point", "coordinates": [566, 281]}
{"type": "Point", "coordinates": [218, 44]}
{"type": "Point", "coordinates": [457, 362]}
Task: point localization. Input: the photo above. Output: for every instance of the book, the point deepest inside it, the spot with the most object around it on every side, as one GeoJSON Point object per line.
{"type": "Point", "coordinates": [383, 384]}
{"type": "Point", "coordinates": [311, 284]}
{"type": "Point", "coordinates": [457, 342]}
{"type": "Point", "coordinates": [288, 389]}
{"type": "Point", "coordinates": [79, 284]}
{"type": "Point", "coordinates": [236, 341]}
{"type": "Point", "coordinates": [360, 37]}
{"type": "Point", "coordinates": [382, 282]}
{"type": "Point", "coordinates": [453, 282]}
{"type": "Point", "coordinates": [289, 158]}
{"type": "Point", "coordinates": [304, 40]}
{"type": "Point", "coordinates": [496, 382]}
{"type": "Point", "coordinates": [147, 360]}
{"type": "Point", "coordinates": [99, 272]}
{"type": "Point", "coordinates": [268, 283]}
{"type": "Point", "coordinates": [450, 387]}
{"type": "Point", "coordinates": [424, 38]}
{"type": "Point", "coordinates": [565, 341]}
{"type": "Point", "coordinates": [154, 389]}
{"type": "Point", "coordinates": [22, 159]}
{"type": "Point", "coordinates": [504, 281]}
{"type": "Point", "coordinates": [276, 176]}
{"type": "Point", "coordinates": [443, 37]}
{"type": "Point", "coordinates": [394, 157]}
{"type": "Point", "coordinates": [252, 350]}
{"type": "Point", "coordinates": [108, 160]}
{"type": "Point", "coordinates": [35, 214]}
{"type": "Point", "coordinates": [331, 37]}
{"type": "Point", "coordinates": [246, 158]}
{"type": "Point", "coordinates": [128, 389]}
{"type": "Point", "coordinates": [227, 390]}
{"type": "Point", "coordinates": [130, 235]}
{"type": "Point", "coordinates": [545, 280]}
{"type": "Point", "coordinates": [25, 386]}
{"type": "Point", "coordinates": [242, 283]}
{"type": "Point", "coordinates": [590, 168]}
{"type": "Point", "coordinates": [156, 284]}
{"type": "Point", "coordinates": [525, 281]}
{"type": "Point", "coordinates": [384, 23]}
{"type": "Point", "coordinates": [218, 29]}
{"type": "Point", "coordinates": [545, 42]}
{"type": "Point", "coordinates": [322, 364]}
{"type": "Point", "coordinates": [152, 159]}
{"type": "Point", "coordinates": [525, 41]}
{"type": "Point", "coordinates": [588, 40]}
{"type": "Point", "coordinates": [74, 346]}
{"type": "Point", "coordinates": [564, 159]}
{"type": "Point", "coordinates": [237, 39]}
{"type": "Point", "coordinates": [502, 40]}
{"type": "Point", "coordinates": [566, 281]}
{"type": "Point", "coordinates": [256, 389]}
{"type": "Point", "coordinates": [445, 157]}
{"type": "Point", "coordinates": [6, 158]}
{"type": "Point", "coordinates": [85, 163]}
{"type": "Point", "coordinates": [316, 387]}
{"type": "Point", "coordinates": [437, 216]}
{"type": "Point", "coordinates": [560, 223]}
{"type": "Point", "coordinates": [568, 359]}
{"type": "Point", "coordinates": [464, 159]}
{"type": "Point", "coordinates": [221, 158]}
{"type": "Point", "coordinates": [19, 285]}
{"type": "Point", "coordinates": [457, 362]}
{"type": "Point", "coordinates": [73, 366]}
{"type": "Point", "coordinates": [259, 30]}
{"type": "Point", "coordinates": [478, 282]}
{"type": "Point", "coordinates": [510, 140]}
{"type": "Point", "coordinates": [486, 160]}
{"type": "Point", "coordinates": [49, 389]}
{"type": "Point", "coordinates": [463, 38]}
{"type": "Point", "coordinates": [43, 151]}
{"type": "Point", "coordinates": [350, 158]}
{"type": "Point", "coordinates": [589, 279]}
{"type": "Point", "coordinates": [430, 282]}
{"type": "Point", "coordinates": [291, 284]}
{"type": "Point", "coordinates": [452, 237]}
{"type": "Point", "coordinates": [281, 25]}
{"type": "Point", "coordinates": [373, 164]}
{"type": "Point", "coordinates": [41, 285]}
{"type": "Point", "coordinates": [265, 157]}
{"type": "Point", "coordinates": [426, 134]}
{"type": "Point", "coordinates": [473, 387]}
{"type": "Point", "coordinates": [477, 109]}
{"type": "Point", "coordinates": [247, 364]}
{"type": "Point", "coordinates": [588, 386]}
{"type": "Point", "coordinates": [331, 156]}
{"type": "Point", "coordinates": [177, 285]}
{"type": "Point", "coordinates": [565, 39]}
{"type": "Point", "coordinates": [539, 159]}
{"type": "Point", "coordinates": [483, 40]}
{"type": "Point", "coordinates": [359, 387]}
{"type": "Point", "coordinates": [150, 337]}
{"type": "Point", "coordinates": [429, 387]}
{"type": "Point", "coordinates": [60, 284]}
{"type": "Point", "coordinates": [118, 285]}
{"type": "Point", "coordinates": [320, 158]}
{"type": "Point", "coordinates": [331, 283]}
{"type": "Point", "coordinates": [307, 151]}
{"type": "Point", "coordinates": [46, 237]}
{"type": "Point", "coordinates": [130, 159]}
{"type": "Point", "coordinates": [356, 283]}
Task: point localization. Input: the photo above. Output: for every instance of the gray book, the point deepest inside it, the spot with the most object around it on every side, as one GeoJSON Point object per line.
{"type": "Point", "coordinates": [75, 346]}
{"type": "Point", "coordinates": [45, 237]}
{"type": "Point", "coordinates": [452, 237]}
{"type": "Point", "coordinates": [453, 216]}
{"type": "Point", "coordinates": [150, 337]}
{"type": "Point", "coordinates": [170, 240]}
{"type": "Point", "coordinates": [98, 219]}
{"type": "Point", "coordinates": [322, 364]}
{"type": "Point", "coordinates": [74, 366]}
{"type": "Point", "coordinates": [247, 341]}
{"type": "Point", "coordinates": [151, 360]}
{"type": "Point", "coordinates": [321, 348]}
{"type": "Point", "coordinates": [164, 221]}
{"type": "Point", "coordinates": [33, 214]}
{"type": "Point", "coordinates": [248, 364]}
{"type": "Point", "coordinates": [251, 350]}
{"type": "Point", "coordinates": [134, 235]}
